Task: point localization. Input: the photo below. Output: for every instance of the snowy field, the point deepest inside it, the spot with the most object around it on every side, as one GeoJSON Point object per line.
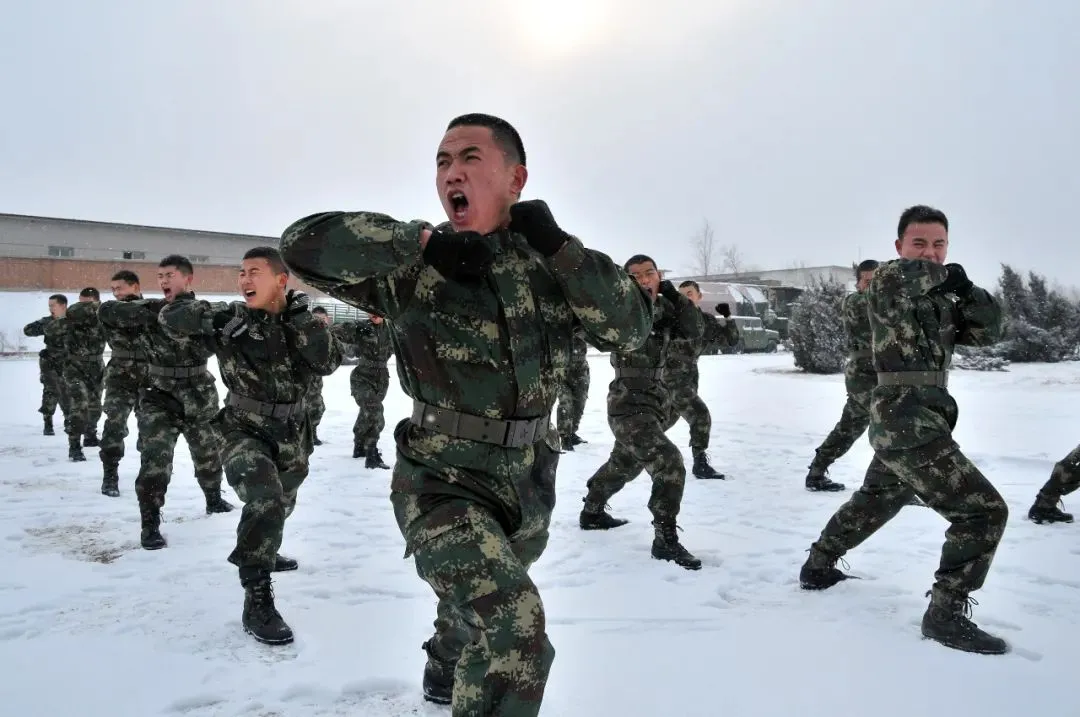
{"type": "Point", "coordinates": [92, 625]}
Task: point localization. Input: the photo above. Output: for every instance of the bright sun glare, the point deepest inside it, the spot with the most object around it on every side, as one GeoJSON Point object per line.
{"type": "Point", "coordinates": [553, 28]}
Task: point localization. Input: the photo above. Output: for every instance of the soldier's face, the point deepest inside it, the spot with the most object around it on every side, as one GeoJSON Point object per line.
{"type": "Point", "coordinates": [376, 319]}
{"type": "Point", "coordinates": [260, 286]}
{"type": "Point", "coordinates": [173, 282]}
{"type": "Point", "coordinates": [924, 241]}
{"type": "Point", "coordinates": [476, 183]}
{"type": "Point", "coordinates": [56, 309]}
{"type": "Point", "coordinates": [864, 280]}
{"type": "Point", "coordinates": [691, 293]}
{"type": "Point", "coordinates": [647, 277]}
{"type": "Point", "coordinates": [122, 289]}
{"type": "Point", "coordinates": [322, 318]}
{"type": "Point", "coordinates": [87, 299]}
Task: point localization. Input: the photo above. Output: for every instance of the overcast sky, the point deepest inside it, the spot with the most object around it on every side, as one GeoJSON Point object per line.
{"type": "Point", "coordinates": [799, 128]}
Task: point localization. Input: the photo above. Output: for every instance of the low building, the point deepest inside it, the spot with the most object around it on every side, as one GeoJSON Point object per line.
{"type": "Point", "coordinates": [800, 277]}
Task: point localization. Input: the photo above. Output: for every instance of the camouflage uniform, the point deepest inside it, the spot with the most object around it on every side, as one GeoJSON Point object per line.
{"type": "Point", "coordinates": [266, 362]}
{"type": "Point", "coordinates": [639, 408]}
{"type": "Point", "coordinates": [1064, 479]}
{"type": "Point", "coordinates": [681, 377]}
{"type": "Point", "coordinates": [51, 366]}
{"type": "Point", "coordinates": [125, 379]}
{"type": "Point", "coordinates": [316, 406]}
{"type": "Point", "coordinates": [859, 380]}
{"type": "Point", "coordinates": [180, 398]}
{"type": "Point", "coordinates": [474, 481]}
{"type": "Point", "coordinates": [574, 394]}
{"type": "Point", "coordinates": [917, 313]}
{"type": "Point", "coordinates": [369, 382]}
{"type": "Point", "coordinates": [84, 375]}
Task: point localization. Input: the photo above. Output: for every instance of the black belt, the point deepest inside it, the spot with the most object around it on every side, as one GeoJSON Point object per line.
{"type": "Point", "coordinates": [862, 354]}
{"type": "Point", "coordinates": [263, 408]}
{"type": "Point", "coordinates": [654, 373]}
{"type": "Point", "coordinates": [177, 371]}
{"type": "Point", "coordinates": [508, 434]}
{"type": "Point", "coordinates": [130, 355]}
{"type": "Point", "coordinates": [940, 379]}
{"type": "Point", "coordinates": [371, 364]}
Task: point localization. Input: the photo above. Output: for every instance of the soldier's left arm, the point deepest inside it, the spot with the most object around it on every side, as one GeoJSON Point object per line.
{"type": "Point", "coordinates": [197, 317]}
{"type": "Point", "coordinates": [981, 318]}
{"type": "Point", "coordinates": [615, 314]}
{"type": "Point", "coordinates": [313, 343]}
{"type": "Point", "coordinates": [82, 313]}
{"type": "Point", "coordinates": [689, 321]}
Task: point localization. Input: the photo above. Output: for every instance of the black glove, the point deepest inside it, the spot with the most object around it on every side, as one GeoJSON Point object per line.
{"type": "Point", "coordinates": [459, 256]}
{"type": "Point", "coordinates": [724, 310]}
{"type": "Point", "coordinates": [296, 303]}
{"type": "Point", "coordinates": [533, 219]}
{"type": "Point", "coordinates": [957, 281]}
{"type": "Point", "coordinates": [229, 326]}
{"type": "Point", "coordinates": [668, 290]}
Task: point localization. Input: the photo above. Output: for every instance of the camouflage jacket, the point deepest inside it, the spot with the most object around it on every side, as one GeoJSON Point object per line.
{"type": "Point", "coordinates": [271, 361]}
{"type": "Point", "coordinates": [635, 395]}
{"type": "Point", "coordinates": [913, 327]}
{"type": "Point", "coordinates": [123, 338]}
{"type": "Point", "coordinates": [859, 374]}
{"type": "Point", "coordinates": [370, 343]}
{"type": "Point", "coordinates": [52, 330]}
{"type": "Point", "coordinates": [141, 315]}
{"type": "Point", "coordinates": [684, 352]}
{"type": "Point", "coordinates": [84, 337]}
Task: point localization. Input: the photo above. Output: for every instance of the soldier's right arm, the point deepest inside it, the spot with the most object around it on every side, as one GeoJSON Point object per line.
{"type": "Point", "coordinates": [37, 328]}
{"type": "Point", "coordinates": [198, 317]}
{"type": "Point", "coordinates": [366, 259]}
{"type": "Point", "coordinates": [130, 314]}
{"type": "Point", "coordinates": [81, 313]}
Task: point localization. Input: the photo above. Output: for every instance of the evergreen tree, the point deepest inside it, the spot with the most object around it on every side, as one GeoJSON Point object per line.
{"type": "Point", "coordinates": [816, 329]}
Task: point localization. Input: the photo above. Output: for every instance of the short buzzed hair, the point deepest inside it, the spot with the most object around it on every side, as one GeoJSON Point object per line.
{"type": "Point", "coordinates": [126, 276]}
{"type": "Point", "coordinates": [91, 293]}
{"type": "Point", "coordinates": [639, 259]}
{"type": "Point", "coordinates": [178, 262]}
{"type": "Point", "coordinates": [272, 256]}
{"type": "Point", "coordinates": [690, 282]}
{"type": "Point", "coordinates": [866, 265]}
{"type": "Point", "coordinates": [59, 298]}
{"type": "Point", "coordinates": [504, 134]}
{"type": "Point", "coordinates": [920, 214]}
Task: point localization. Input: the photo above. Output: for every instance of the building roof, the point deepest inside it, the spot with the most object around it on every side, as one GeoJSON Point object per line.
{"type": "Point", "coordinates": [129, 227]}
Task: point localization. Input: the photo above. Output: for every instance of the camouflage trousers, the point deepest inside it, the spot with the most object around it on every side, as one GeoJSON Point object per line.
{"type": "Point", "coordinates": [53, 390]}
{"type": "Point", "coordinates": [687, 405]}
{"type": "Point", "coordinates": [1064, 479]}
{"type": "Point", "coordinates": [188, 409]}
{"type": "Point", "coordinates": [950, 485]}
{"type": "Point", "coordinates": [316, 406]}
{"type": "Point", "coordinates": [265, 466]}
{"type": "Point", "coordinates": [85, 381]}
{"type": "Point", "coordinates": [124, 381]}
{"type": "Point", "coordinates": [491, 629]}
{"type": "Point", "coordinates": [369, 388]}
{"type": "Point", "coordinates": [854, 420]}
{"type": "Point", "coordinates": [573, 396]}
{"type": "Point", "coordinates": [641, 444]}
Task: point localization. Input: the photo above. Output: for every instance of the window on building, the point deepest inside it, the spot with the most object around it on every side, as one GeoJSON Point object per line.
{"type": "Point", "coordinates": [132, 255]}
{"type": "Point", "coordinates": [199, 258]}
{"type": "Point", "coordinates": [61, 251]}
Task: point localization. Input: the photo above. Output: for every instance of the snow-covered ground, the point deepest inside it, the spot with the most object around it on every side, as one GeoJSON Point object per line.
{"type": "Point", "coordinates": [92, 625]}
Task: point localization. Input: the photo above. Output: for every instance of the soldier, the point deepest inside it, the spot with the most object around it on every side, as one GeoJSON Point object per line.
{"type": "Point", "coordinates": [180, 398]}
{"type": "Point", "coordinates": [1064, 479]}
{"type": "Point", "coordinates": [919, 307]}
{"type": "Point", "coordinates": [316, 406]}
{"type": "Point", "coordinates": [84, 371]}
{"type": "Point", "coordinates": [267, 346]}
{"type": "Point", "coordinates": [681, 377]}
{"type": "Point", "coordinates": [483, 312]}
{"type": "Point", "coordinates": [639, 408]}
{"type": "Point", "coordinates": [369, 381]}
{"type": "Point", "coordinates": [125, 378]}
{"type": "Point", "coordinates": [859, 380]}
{"type": "Point", "coordinates": [575, 393]}
{"type": "Point", "coordinates": [51, 361]}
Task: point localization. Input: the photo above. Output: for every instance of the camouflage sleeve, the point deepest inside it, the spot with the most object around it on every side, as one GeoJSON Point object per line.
{"type": "Point", "coordinates": [129, 314]}
{"type": "Point", "coordinates": [981, 318]}
{"type": "Point", "coordinates": [895, 286]}
{"type": "Point", "coordinates": [615, 314]}
{"type": "Point", "coordinates": [81, 313]}
{"type": "Point", "coordinates": [37, 328]}
{"type": "Point", "coordinates": [195, 317]}
{"type": "Point", "coordinates": [689, 321]}
{"type": "Point", "coordinates": [314, 343]}
{"type": "Point", "coordinates": [729, 331]}
{"type": "Point", "coordinates": [849, 313]}
{"type": "Point", "coordinates": [366, 259]}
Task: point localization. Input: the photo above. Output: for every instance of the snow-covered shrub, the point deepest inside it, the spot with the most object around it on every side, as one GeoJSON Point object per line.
{"type": "Point", "coordinates": [816, 330]}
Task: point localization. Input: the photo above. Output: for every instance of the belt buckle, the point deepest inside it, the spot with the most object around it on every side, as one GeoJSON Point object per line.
{"type": "Point", "coordinates": [517, 433]}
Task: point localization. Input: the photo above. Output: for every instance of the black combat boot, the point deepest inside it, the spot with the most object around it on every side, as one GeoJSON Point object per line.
{"type": "Point", "coordinates": [90, 440]}
{"type": "Point", "coordinates": [261, 619]}
{"type": "Point", "coordinates": [576, 440]}
{"type": "Point", "coordinates": [75, 449]}
{"type": "Point", "coordinates": [358, 452]}
{"type": "Point", "coordinates": [215, 503]}
{"type": "Point", "coordinates": [702, 469]}
{"type": "Point", "coordinates": [151, 537]}
{"type": "Point", "coordinates": [48, 430]}
{"type": "Point", "coordinates": [566, 443]}
{"type": "Point", "coordinates": [817, 480]}
{"type": "Point", "coordinates": [666, 546]}
{"type": "Point", "coordinates": [284, 564]}
{"type": "Point", "coordinates": [110, 483]}
{"type": "Point", "coordinates": [1048, 509]}
{"type": "Point", "coordinates": [948, 620]}
{"type": "Point", "coordinates": [438, 677]}
{"type": "Point", "coordinates": [594, 516]}
{"type": "Point", "coordinates": [373, 459]}
{"type": "Point", "coordinates": [819, 572]}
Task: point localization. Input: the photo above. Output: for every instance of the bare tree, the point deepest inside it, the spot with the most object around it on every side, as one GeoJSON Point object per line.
{"type": "Point", "coordinates": [704, 245]}
{"type": "Point", "coordinates": [734, 262]}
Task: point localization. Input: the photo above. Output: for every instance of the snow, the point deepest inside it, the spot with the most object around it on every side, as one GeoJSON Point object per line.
{"type": "Point", "coordinates": [91, 624]}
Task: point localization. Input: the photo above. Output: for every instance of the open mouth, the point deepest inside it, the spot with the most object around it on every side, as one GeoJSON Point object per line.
{"type": "Point", "coordinates": [249, 294]}
{"type": "Point", "coordinates": [459, 206]}
{"type": "Point", "coordinates": [166, 292]}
